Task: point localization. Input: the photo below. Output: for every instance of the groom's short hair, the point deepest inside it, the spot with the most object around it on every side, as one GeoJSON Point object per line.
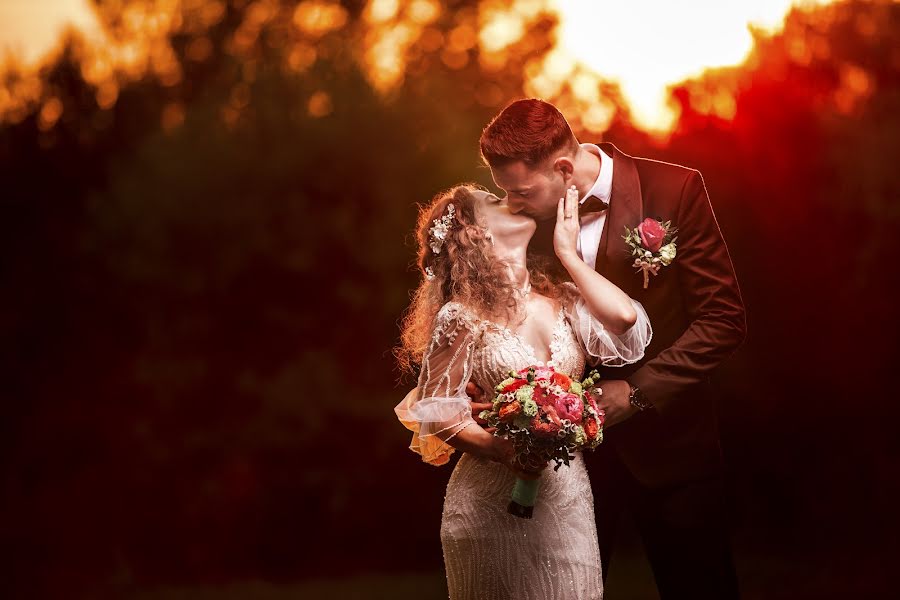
{"type": "Point", "coordinates": [528, 130]}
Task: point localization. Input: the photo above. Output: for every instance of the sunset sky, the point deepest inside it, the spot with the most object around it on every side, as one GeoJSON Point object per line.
{"type": "Point", "coordinates": [645, 45]}
{"type": "Point", "coordinates": [29, 28]}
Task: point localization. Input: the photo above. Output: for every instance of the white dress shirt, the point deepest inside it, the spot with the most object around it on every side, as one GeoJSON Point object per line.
{"type": "Point", "coordinates": [592, 224]}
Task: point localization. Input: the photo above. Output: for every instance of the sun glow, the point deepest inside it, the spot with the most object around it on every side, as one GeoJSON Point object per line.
{"type": "Point", "coordinates": [648, 45]}
{"type": "Point", "coordinates": [29, 29]}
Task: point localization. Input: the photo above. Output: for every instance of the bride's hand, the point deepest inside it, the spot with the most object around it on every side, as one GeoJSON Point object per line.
{"type": "Point", "coordinates": [506, 455]}
{"type": "Point", "coordinates": [565, 235]}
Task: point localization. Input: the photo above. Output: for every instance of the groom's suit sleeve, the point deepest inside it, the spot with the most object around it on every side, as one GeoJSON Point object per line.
{"type": "Point", "coordinates": [712, 299]}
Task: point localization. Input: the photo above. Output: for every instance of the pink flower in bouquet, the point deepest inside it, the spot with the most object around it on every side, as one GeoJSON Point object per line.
{"type": "Point", "coordinates": [568, 406]}
{"type": "Point", "coordinates": [652, 234]}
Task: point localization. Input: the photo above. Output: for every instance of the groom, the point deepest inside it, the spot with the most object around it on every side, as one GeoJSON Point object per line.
{"type": "Point", "coordinates": [661, 458]}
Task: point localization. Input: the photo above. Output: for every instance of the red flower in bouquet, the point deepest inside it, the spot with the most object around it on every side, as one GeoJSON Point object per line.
{"type": "Point", "coordinates": [562, 380]}
{"type": "Point", "coordinates": [591, 428]}
{"type": "Point", "coordinates": [589, 399]}
{"type": "Point", "coordinates": [542, 396]}
{"type": "Point", "coordinates": [516, 384]}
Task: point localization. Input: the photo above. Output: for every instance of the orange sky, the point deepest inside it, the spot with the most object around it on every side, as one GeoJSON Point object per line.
{"type": "Point", "coordinates": [29, 28]}
{"type": "Point", "coordinates": [645, 45]}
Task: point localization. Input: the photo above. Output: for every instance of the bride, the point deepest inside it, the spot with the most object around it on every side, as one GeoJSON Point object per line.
{"type": "Point", "coordinates": [481, 311]}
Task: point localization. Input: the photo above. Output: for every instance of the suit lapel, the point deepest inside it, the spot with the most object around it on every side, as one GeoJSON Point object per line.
{"type": "Point", "coordinates": [625, 210]}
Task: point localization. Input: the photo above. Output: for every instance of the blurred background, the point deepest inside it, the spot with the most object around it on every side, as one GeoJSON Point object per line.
{"type": "Point", "coordinates": [205, 249]}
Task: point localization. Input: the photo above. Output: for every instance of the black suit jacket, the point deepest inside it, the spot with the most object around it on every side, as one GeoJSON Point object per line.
{"type": "Point", "coordinates": [695, 309]}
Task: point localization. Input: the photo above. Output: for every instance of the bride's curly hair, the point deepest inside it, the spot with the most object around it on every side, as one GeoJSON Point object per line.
{"type": "Point", "coordinates": [466, 271]}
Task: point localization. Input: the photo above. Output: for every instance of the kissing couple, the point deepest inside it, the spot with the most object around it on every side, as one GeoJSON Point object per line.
{"type": "Point", "coordinates": [577, 264]}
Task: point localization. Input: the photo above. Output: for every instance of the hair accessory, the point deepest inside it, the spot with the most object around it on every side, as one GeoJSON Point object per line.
{"type": "Point", "coordinates": [438, 233]}
{"type": "Point", "coordinates": [429, 273]}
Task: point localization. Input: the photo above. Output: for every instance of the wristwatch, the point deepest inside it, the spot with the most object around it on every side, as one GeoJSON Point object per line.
{"type": "Point", "coordinates": [637, 397]}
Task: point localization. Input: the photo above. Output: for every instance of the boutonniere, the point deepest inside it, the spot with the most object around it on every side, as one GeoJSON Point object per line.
{"type": "Point", "coordinates": [652, 245]}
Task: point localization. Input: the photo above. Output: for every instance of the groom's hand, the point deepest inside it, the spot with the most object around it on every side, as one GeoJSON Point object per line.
{"type": "Point", "coordinates": [477, 395]}
{"type": "Point", "coordinates": [614, 401]}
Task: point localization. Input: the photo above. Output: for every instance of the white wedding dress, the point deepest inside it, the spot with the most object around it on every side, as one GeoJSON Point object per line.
{"type": "Point", "coordinates": [488, 553]}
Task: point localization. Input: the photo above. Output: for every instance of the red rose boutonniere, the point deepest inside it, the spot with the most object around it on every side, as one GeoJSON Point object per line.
{"type": "Point", "coordinates": [652, 246]}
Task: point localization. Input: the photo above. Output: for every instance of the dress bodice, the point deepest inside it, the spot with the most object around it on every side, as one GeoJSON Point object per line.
{"type": "Point", "coordinates": [498, 350]}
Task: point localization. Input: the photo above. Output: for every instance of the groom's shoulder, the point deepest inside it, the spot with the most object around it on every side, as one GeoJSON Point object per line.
{"type": "Point", "coordinates": [648, 165]}
{"type": "Point", "coordinates": [659, 176]}
{"type": "Point", "coordinates": [661, 168]}
{"type": "Point", "coordinates": [662, 175]}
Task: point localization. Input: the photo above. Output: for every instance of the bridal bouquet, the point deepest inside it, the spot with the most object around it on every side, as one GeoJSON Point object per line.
{"type": "Point", "coordinates": [547, 416]}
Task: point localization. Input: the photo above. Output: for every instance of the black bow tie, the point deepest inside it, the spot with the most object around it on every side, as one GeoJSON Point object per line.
{"type": "Point", "coordinates": [592, 204]}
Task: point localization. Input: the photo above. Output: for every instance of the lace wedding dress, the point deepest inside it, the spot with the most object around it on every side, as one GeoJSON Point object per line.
{"type": "Point", "coordinates": [488, 553]}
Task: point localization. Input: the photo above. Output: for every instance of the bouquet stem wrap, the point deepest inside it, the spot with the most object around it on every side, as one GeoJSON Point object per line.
{"type": "Point", "coordinates": [524, 495]}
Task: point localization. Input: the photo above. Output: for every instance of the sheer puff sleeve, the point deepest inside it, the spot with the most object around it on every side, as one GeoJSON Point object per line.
{"type": "Point", "coordinates": [439, 408]}
{"type": "Point", "coordinates": [601, 346]}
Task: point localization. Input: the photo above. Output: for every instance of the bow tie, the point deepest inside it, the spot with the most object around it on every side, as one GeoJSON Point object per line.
{"type": "Point", "coordinates": [592, 204]}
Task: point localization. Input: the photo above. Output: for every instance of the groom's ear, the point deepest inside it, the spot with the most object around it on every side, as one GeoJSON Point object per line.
{"type": "Point", "coordinates": [564, 166]}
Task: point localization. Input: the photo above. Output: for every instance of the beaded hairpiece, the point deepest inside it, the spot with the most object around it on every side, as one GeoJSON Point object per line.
{"type": "Point", "coordinates": [438, 233]}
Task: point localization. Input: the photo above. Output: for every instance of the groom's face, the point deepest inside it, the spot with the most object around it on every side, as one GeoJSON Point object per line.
{"type": "Point", "coordinates": [531, 190]}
